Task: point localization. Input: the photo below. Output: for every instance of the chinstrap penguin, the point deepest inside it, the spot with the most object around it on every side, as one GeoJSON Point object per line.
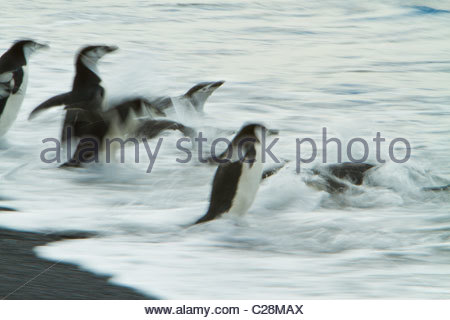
{"type": "Point", "coordinates": [336, 178]}
{"type": "Point", "coordinates": [195, 97]}
{"type": "Point", "coordinates": [122, 121]}
{"type": "Point", "coordinates": [87, 95]}
{"type": "Point", "coordinates": [238, 175]}
{"type": "Point", "coordinates": [340, 177]}
{"type": "Point", "coordinates": [14, 80]}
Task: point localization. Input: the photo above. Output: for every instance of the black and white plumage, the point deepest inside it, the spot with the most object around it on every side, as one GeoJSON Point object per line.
{"type": "Point", "coordinates": [86, 115]}
{"type": "Point", "coordinates": [87, 95]}
{"type": "Point", "coordinates": [85, 104]}
{"type": "Point", "coordinates": [336, 178]}
{"type": "Point", "coordinates": [14, 80]}
{"type": "Point", "coordinates": [132, 118]}
{"type": "Point", "coordinates": [194, 97]}
{"type": "Point", "coordinates": [199, 93]}
{"type": "Point", "coordinates": [135, 117]}
{"type": "Point", "coordinates": [151, 128]}
{"type": "Point", "coordinates": [238, 177]}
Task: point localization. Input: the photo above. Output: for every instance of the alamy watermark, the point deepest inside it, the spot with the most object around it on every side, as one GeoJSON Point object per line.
{"type": "Point", "coordinates": [91, 150]}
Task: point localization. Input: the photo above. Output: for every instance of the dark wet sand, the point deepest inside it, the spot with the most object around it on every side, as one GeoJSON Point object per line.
{"type": "Point", "coordinates": [60, 281]}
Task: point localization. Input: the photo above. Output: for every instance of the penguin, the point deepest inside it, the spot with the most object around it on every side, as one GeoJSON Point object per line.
{"type": "Point", "coordinates": [138, 114]}
{"type": "Point", "coordinates": [14, 80]}
{"type": "Point", "coordinates": [121, 121]}
{"type": "Point", "coordinates": [198, 94]}
{"type": "Point", "coordinates": [238, 175]}
{"type": "Point", "coordinates": [87, 96]}
{"type": "Point", "coordinates": [336, 178]}
{"type": "Point", "coordinates": [87, 100]}
{"type": "Point", "coordinates": [195, 96]}
{"type": "Point", "coordinates": [351, 171]}
{"type": "Point", "coordinates": [136, 118]}
{"type": "Point", "coordinates": [152, 128]}
{"type": "Point", "coordinates": [339, 177]}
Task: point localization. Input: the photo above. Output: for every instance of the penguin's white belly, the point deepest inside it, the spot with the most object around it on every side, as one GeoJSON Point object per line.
{"type": "Point", "coordinates": [13, 104]}
{"type": "Point", "coordinates": [248, 185]}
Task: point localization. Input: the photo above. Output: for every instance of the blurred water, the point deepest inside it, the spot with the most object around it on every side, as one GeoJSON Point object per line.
{"type": "Point", "coordinates": [355, 67]}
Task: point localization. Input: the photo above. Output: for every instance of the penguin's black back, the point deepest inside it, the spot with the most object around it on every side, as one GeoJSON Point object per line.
{"type": "Point", "coordinates": [224, 189]}
{"type": "Point", "coordinates": [85, 78]}
{"type": "Point", "coordinates": [354, 172]}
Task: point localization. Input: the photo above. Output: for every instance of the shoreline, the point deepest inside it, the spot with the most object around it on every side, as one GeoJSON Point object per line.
{"type": "Point", "coordinates": [24, 276]}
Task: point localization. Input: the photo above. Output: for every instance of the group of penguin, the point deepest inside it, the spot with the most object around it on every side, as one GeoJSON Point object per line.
{"type": "Point", "coordinates": [236, 180]}
{"type": "Point", "coordinates": [235, 183]}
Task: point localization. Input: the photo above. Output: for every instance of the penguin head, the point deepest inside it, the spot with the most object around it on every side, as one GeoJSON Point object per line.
{"type": "Point", "coordinates": [254, 130]}
{"type": "Point", "coordinates": [27, 47]}
{"type": "Point", "coordinates": [204, 87]}
{"type": "Point", "coordinates": [200, 92]}
{"type": "Point", "coordinates": [95, 53]}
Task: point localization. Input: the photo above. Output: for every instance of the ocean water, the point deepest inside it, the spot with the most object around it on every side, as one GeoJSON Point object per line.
{"type": "Point", "coordinates": [354, 67]}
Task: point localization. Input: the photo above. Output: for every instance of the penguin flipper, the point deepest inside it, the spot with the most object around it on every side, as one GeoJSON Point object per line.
{"type": "Point", "coordinates": [10, 82]}
{"type": "Point", "coordinates": [271, 171]}
{"type": "Point", "coordinates": [5, 89]}
{"type": "Point", "coordinates": [6, 84]}
{"type": "Point", "coordinates": [152, 128]}
{"type": "Point", "coordinates": [161, 104]}
{"type": "Point", "coordinates": [18, 79]}
{"type": "Point", "coordinates": [61, 99]}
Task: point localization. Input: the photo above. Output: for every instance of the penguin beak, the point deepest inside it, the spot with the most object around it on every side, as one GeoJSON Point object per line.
{"type": "Point", "coordinates": [217, 84]}
{"type": "Point", "coordinates": [40, 46]}
{"type": "Point", "coordinates": [110, 49]}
